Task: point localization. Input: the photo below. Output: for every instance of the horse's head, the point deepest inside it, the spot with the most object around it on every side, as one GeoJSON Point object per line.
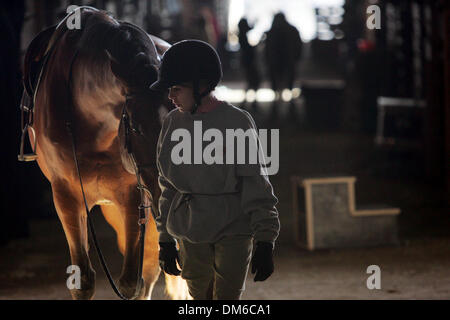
{"type": "Point", "coordinates": [134, 61]}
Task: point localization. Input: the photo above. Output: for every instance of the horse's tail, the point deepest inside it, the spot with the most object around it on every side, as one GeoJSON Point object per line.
{"type": "Point", "coordinates": [176, 288]}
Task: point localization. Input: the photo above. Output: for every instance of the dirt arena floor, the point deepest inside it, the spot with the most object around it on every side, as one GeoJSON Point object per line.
{"type": "Point", "coordinates": [35, 269]}
{"type": "Point", "coordinates": [417, 268]}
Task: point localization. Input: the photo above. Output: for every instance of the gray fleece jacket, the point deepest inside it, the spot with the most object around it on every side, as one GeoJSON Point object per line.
{"type": "Point", "coordinates": [202, 203]}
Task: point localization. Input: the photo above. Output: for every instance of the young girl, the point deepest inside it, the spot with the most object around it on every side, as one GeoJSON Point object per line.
{"type": "Point", "coordinates": [215, 211]}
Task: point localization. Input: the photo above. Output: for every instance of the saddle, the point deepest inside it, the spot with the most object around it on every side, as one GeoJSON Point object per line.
{"type": "Point", "coordinates": [35, 61]}
{"type": "Point", "coordinates": [36, 58]}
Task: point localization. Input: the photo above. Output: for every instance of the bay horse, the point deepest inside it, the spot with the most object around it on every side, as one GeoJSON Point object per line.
{"type": "Point", "coordinates": [94, 71]}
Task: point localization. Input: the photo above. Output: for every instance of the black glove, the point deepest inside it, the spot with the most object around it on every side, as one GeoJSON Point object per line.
{"type": "Point", "coordinates": [168, 258]}
{"type": "Point", "coordinates": [262, 261]}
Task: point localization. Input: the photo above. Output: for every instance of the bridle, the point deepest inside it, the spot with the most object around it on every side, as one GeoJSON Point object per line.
{"type": "Point", "coordinates": [145, 193]}
{"type": "Point", "coordinates": [129, 130]}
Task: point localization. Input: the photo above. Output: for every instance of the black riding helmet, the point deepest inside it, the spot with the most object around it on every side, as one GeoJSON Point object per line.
{"type": "Point", "coordinates": [190, 61]}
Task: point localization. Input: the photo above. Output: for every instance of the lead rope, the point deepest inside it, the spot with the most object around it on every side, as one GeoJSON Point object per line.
{"type": "Point", "coordinates": [90, 223]}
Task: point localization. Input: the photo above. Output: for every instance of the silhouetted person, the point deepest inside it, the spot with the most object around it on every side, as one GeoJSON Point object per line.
{"type": "Point", "coordinates": [248, 57]}
{"type": "Point", "coordinates": [283, 50]}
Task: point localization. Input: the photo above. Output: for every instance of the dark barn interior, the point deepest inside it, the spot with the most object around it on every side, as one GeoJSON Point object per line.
{"type": "Point", "coordinates": [364, 143]}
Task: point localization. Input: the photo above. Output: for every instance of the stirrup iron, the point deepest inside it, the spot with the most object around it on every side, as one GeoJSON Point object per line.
{"type": "Point", "coordinates": [28, 156]}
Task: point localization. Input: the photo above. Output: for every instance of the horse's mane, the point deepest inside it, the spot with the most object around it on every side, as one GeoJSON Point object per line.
{"type": "Point", "coordinates": [128, 46]}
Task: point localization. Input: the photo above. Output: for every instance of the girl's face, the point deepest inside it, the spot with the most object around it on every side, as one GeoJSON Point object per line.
{"type": "Point", "coordinates": [182, 97]}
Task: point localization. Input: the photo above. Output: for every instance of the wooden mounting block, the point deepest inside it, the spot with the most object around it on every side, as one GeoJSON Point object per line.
{"type": "Point", "coordinates": [325, 215]}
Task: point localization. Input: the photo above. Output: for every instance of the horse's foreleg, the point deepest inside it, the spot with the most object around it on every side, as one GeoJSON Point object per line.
{"type": "Point", "coordinates": [73, 219]}
{"type": "Point", "coordinates": [151, 257]}
{"type": "Point", "coordinates": [127, 205]}
{"type": "Point", "coordinates": [150, 272]}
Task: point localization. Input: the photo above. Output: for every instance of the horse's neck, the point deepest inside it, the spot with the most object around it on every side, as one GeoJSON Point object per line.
{"type": "Point", "coordinates": [97, 94]}
{"type": "Point", "coordinates": [98, 100]}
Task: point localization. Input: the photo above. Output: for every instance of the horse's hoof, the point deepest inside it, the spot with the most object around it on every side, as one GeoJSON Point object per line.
{"type": "Point", "coordinates": [128, 289]}
{"type": "Point", "coordinates": [87, 287]}
{"type": "Point", "coordinates": [82, 294]}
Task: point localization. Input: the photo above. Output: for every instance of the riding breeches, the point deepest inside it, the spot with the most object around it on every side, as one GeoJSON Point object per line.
{"type": "Point", "coordinates": [216, 270]}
